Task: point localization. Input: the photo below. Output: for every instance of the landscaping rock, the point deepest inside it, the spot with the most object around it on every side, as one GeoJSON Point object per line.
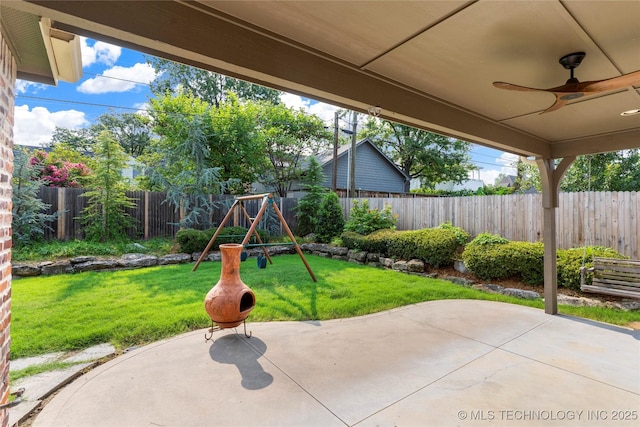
{"type": "Point", "coordinates": [357, 256]}
{"type": "Point", "coordinates": [520, 293]}
{"type": "Point", "coordinates": [373, 257]}
{"type": "Point", "coordinates": [400, 266]}
{"type": "Point", "coordinates": [340, 257]}
{"type": "Point", "coordinates": [82, 259]}
{"type": "Point", "coordinates": [60, 267]}
{"type": "Point", "coordinates": [101, 264]}
{"type": "Point", "coordinates": [174, 259]}
{"type": "Point", "coordinates": [387, 262]}
{"type": "Point", "coordinates": [624, 305]}
{"type": "Point", "coordinates": [338, 250]}
{"type": "Point", "coordinates": [489, 287]}
{"type": "Point", "coordinates": [279, 250]}
{"type": "Point", "coordinates": [577, 301]}
{"type": "Point", "coordinates": [415, 266]}
{"type": "Point", "coordinates": [460, 267]}
{"type": "Point", "coordinates": [20, 270]}
{"type": "Point", "coordinates": [459, 281]}
{"type": "Point", "coordinates": [316, 247]}
{"type": "Point", "coordinates": [137, 260]}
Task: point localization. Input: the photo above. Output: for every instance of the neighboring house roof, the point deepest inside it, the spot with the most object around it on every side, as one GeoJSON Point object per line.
{"type": "Point", "coordinates": [507, 181]}
{"type": "Point", "coordinates": [343, 150]}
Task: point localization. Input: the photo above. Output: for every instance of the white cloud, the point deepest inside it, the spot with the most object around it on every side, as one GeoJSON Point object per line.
{"type": "Point", "coordinates": [100, 52]}
{"type": "Point", "coordinates": [119, 79]}
{"type": "Point", "coordinates": [323, 111]}
{"type": "Point", "coordinates": [35, 126]}
{"type": "Point", "coordinates": [508, 162]}
{"type": "Point", "coordinates": [23, 86]}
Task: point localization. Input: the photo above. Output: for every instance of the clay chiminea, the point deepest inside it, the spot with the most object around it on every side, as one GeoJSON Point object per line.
{"type": "Point", "coordinates": [230, 301]}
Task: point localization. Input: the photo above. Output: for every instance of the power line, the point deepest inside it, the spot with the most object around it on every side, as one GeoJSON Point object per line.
{"type": "Point", "coordinates": [68, 101]}
{"type": "Point", "coordinates": [117, 78]}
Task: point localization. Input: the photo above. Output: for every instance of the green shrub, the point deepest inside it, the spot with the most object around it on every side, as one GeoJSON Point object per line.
{"type": "Point", "coordinates": [435, 246]}
{"type": "Point", "coordinates": [330, 218]}
{"type": "Point", "coordinates": [570, 261]}
{"type": "Point", "coordinates": [501, 260]}
{"type": "Point", "coordinates": [363, 220]}
{"type": "Point", "coordinates": [378, 241]}
{"type": "Point", "coordinates": [462, 237]}
{"type": "Point", "coordinates": [191, 240]}
{"type": "Point", "coordinates": [488, 239]}
{"type": "Point", "coordinates": [352, 240]}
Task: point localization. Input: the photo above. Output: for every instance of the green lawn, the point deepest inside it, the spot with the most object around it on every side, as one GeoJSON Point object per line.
{"type": "Point", "coordinates": [133, 307]}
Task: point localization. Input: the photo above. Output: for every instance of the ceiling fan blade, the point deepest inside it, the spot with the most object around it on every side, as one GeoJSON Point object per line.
{"type": "Point", "coordinates": [509, 86]}
{"type": "Point", "coordinates": [557, 105]}
{"type": "Point", "coordinates": [631, 79]}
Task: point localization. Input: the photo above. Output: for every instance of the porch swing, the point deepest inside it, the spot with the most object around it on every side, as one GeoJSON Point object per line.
{"type": "Point", "coordinates": [610, 276]}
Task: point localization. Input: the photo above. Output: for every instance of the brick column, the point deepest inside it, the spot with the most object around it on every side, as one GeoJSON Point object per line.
{"type": "Point", "coordinates": [7, 83]}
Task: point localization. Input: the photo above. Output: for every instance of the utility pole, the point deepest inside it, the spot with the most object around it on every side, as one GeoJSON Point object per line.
{"type": "Point", "coordinates": [334, 182]}
{"type": "Point", "coordinates": [352, 158]}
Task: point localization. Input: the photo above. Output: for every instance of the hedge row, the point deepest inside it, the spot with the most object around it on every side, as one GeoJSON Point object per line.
{"type": "Point", "coordinates": [435, 246]}
{"type": "Point", "coordinates": [190, 240]}
{"type": "Point", "coordinates": [488, 256]}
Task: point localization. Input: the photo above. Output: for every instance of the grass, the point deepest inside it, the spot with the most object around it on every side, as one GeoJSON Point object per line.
{"type": "Point", "coordinates": [38, 369]}
{"type": "Point", "coordinates": [134, 307]}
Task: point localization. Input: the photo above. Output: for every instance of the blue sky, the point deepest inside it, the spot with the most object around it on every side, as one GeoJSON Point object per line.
{"type": "Point", "coordinates": [117, 80]}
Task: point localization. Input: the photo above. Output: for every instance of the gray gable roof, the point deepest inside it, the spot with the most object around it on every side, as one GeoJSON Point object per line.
{"type": "Point", "coordinates": [327, 157]}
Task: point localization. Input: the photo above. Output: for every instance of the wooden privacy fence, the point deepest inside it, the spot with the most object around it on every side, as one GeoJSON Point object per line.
{"type": "Point", "coordinates": [595, 218]}
{"type": "Point", "coordinates": [153, 217]}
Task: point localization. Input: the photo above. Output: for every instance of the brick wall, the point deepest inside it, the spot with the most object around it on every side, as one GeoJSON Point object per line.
{"type": "Point", "coordinates": [7, 82]}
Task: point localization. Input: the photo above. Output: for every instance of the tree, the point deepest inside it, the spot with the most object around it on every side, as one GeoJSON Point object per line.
{"type": "Point", "coordinates": [288, 138]}
{"type": "Point", "coordinates": [29, 217]}
{"type": "Point", "coordinates": [420, 154]}
{"type": "Point", "coordinates": [208, 86]}
{"type": "Point", "coordinates": [132, 131]}
{"type": "Point", "coordinates": [308, 207]}
{"type": "Point", "coordinates": [527, 177]}
{"type": "Point", "coordinates": [80, 140]}
{"type": "Point", "coordinates": [614, 171]}
{"type": "Point", "coordinates": [62, 167]}
{"type": "Point", "coordinates": [105, 217]}
{"type": "Point", "coordinates": [330, 218]}
{"type": "Point", "coordinates": [181, 161]}
{"type": "Point", "coordinates": [223, 138]}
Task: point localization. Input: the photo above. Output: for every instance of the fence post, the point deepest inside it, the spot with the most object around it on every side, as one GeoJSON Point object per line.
{"type": "Point", "coordinates": [62, 218]}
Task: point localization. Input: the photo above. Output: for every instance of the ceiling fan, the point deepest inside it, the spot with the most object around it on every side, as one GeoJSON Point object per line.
{"type": "Point", "coordinates": [574, 89]}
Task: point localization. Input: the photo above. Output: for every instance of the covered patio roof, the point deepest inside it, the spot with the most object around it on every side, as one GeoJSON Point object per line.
{"type": "Point", "coordinates": [429, 64]}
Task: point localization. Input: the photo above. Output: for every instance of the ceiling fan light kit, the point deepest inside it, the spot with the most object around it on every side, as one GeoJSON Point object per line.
{"type": "Point", "coordinates": [573, 88]}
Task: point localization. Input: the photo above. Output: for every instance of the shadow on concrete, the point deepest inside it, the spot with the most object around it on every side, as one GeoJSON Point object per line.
{"type": "Point", "coordinates": [236, 350]}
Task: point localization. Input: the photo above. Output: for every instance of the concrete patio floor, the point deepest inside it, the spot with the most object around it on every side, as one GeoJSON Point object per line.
{"type": "Point", "coordinates": [441, 363]}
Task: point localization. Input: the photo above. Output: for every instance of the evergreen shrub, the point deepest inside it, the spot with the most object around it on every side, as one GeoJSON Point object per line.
{"type": "Point", "coordinates": [569, 262]}
{"type": "Point", "coordinates": [330, 221]}
{"type": "Point", "coordinates": [364, 220]}
{"type": "Point", "coordinates": [191, 240]}
{"type": "Point", "coordinates": [493, 257]}
{"type": "Point", "coordinates": [435, 246]}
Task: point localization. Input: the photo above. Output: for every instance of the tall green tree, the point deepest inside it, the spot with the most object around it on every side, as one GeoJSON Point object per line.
{"type": "Point", "coordinates": [131, 130]}
{"type": "Point", "coordinates": [81, 140]}
{"type": "Point", "coordinates": [288, 137]}
{"type": "Point", "coordinates": [181, 161]}
{"type": "Point", "coordinates": [208, 86]}
{"type": "Point", "coordinates": [105, 217]}
{"type": "Point", "coordinates": [420, 154]}
{"type": "Point", "coordinates": [29, 213]}
{"type": "Point", "coordinates": [223, 138]}
{"type": "Point", "coordinates": [308, 207]}
{"type": "Point", "coordinates": [330, 218]}
{"type": "Point", "coordinates": [614, 171]}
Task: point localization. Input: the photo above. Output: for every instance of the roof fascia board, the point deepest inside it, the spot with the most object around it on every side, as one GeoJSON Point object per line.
{"type": "Point", "coordinates": [596, 144]}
